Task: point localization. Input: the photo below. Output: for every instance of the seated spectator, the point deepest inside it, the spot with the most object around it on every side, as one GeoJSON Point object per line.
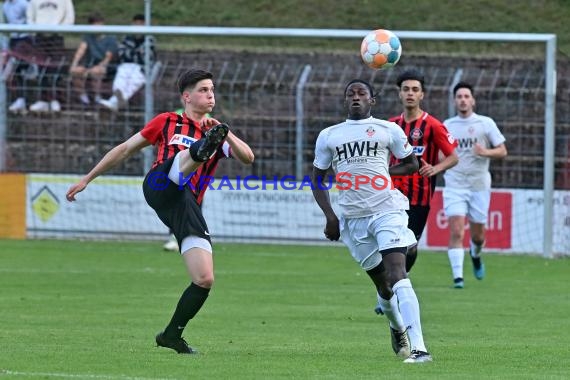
{"type": "Point", "coordinates": [130, 75]}
{"type": "Point", "coordinates": [91, 61]}
{"type": "Point", "coordinates": [51, 46]}
{"type": "Point", "coordinates": [17, 47]}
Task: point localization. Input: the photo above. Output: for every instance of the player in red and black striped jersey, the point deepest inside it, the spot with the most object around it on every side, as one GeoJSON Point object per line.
{"type": "Point", "coordinates": [189, 149]}
{"type": "Point", "coordinates": [428, 137]}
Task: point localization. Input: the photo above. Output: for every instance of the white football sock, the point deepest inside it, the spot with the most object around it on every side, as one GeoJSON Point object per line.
{"type": "Point", "coordinates": [410, 309]}
{"type": "Point", "coordinates": [475, 250]}
{"type": "Point", "coordinates": [392, 312]}
{"type": "Point", "coordinates": [456, 260]}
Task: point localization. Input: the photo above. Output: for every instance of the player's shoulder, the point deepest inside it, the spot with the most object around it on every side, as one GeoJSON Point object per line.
{"type": "Point", "coordinates": [387, 124]}
{"type": "Point", "coordinates": [432, 120]}
{"type": "Point", "coordinates": [165, 116]}
{"type": "Point", "coordinates": [327, 131]}
{"type": "Point", "coordinates": [451, 120]}
{"type": "Point", "coordinates": [169, 114]}
{"type": "Point", "coordinates": [484, 119]}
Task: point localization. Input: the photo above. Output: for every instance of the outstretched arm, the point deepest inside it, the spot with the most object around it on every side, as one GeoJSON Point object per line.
{"type": "Point", "coordinates": [115, 156]}
{"type": "Point", "coordinates": [321, 195]}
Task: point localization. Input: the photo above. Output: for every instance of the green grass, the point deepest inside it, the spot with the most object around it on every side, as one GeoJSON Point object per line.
{"type": "Point", "coordinates": [532, 16]}
{"type": "Point", "coordinates": [91, 309]}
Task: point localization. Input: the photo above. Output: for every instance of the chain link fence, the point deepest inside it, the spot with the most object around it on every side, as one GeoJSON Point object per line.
{"type": "Point", "coordinates": [257, 94]}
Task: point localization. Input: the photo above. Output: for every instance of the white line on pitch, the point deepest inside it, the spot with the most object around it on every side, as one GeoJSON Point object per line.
{"type": "Point", "coordinates": [76, 376]}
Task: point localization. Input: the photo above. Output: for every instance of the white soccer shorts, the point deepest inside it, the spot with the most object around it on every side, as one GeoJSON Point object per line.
{"type": "Point", "coordinates": [365, 237]}
{"type": "Point", "coordinates": [464, 202]}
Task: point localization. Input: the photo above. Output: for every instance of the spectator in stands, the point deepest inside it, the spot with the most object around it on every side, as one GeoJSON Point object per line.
{"type": "Point", "coordinates": [92, 60]}
{"type": "Point", "coordinates": [130, 75]}
{"type": "Point", "coordinates": [51, 46]}
{"type": "Point", "coordinates": [14, 12]}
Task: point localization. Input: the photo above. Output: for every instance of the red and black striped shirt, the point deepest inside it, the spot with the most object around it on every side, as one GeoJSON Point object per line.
{"type": "Point", "coordinates": [428, 136]}
{"type": "Point", "coordinates": [172, 133]}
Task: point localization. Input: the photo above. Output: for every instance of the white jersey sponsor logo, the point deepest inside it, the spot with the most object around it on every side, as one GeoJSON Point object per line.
{"type": "Point", "coordinates": [179, 139]}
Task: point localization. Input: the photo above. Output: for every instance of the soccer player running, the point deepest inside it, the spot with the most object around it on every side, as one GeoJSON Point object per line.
{"type": "Point", "coordinates": [373, 221]}
{"type": "Point", "coordinates": [427, 136]}
{"type": "Point", "coordinates": [189, 149]}
{"type": "Point", "coordinates": [467, 190]}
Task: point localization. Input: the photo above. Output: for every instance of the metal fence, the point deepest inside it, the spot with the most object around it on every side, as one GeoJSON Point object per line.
{"type": "Point", "coordinates": [258, 95]}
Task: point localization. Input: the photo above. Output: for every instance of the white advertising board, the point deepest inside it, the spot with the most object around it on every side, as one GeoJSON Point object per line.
{"type": "Point", "coordinates": [114, 207]}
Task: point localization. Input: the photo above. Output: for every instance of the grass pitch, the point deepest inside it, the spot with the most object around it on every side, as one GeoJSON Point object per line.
{"type": "Point", "coordinates": [90, 310]}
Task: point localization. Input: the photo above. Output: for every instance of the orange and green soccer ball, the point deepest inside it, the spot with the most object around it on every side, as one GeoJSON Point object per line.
{"type": "Point", "coordinates": [380, 49]}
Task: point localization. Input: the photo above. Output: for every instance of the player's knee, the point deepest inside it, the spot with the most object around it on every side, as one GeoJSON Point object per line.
{"type": "Point", "coordinates": [385, 291]}
{"type": "Point", "coordinates": [204, 280]}
{"type": "Point", "coordinates": [395, 275]}
{"type": "Point", "coordinates": [456, 234]}
{"type": "Point", "coordinates": [395, 271]}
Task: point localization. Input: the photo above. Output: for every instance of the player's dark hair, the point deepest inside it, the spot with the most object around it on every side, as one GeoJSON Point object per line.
{"type": "Point", "coordinates": [411, 75]}
{"type": "Point", "coordinates": [190, 77]}
{"type": "Point", "coordinates": [138, 17]}
{"type": "Point", "coordinates": [463, 85]}
{"type": "Point", "coordinates": [364, 83]}
{"type": "Point", "coordinates": [95, 17]}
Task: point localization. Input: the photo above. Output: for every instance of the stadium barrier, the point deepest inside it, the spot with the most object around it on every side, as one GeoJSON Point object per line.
{"type": "Point", "coordinates": [277, 211]}
{"type": "Point", "coordinates": [279, 103]}
{"type": "Point", "coordinates": [12, 204]}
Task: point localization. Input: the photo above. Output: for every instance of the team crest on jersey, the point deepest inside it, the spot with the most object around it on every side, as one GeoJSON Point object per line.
{"type": "Point", "coordinates": [450, 138]}
{"type": "Point", "coordinates": [179, 139]}
{"type": "Point", "coordinates": [416, 134]}
{"type": "Point", "coordinates": [370, 131]}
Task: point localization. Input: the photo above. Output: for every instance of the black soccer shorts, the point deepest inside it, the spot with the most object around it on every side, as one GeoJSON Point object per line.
{"type": "Point", "coordinates": [175, 205]}
{"type": "Point", "coordinates": [417, 219]}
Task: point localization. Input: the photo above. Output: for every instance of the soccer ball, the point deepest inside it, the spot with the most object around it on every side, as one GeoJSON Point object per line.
{"type": "Point", "coordinates": [380, 49]}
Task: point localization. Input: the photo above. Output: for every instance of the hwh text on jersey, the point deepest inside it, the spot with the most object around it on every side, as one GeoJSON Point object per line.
{"type": "Point", "coordinates": [466, 142]}
{"type": "Point", "coordinates": [357, 148]}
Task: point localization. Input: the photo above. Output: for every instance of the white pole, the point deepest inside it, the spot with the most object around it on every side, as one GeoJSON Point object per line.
{"type": "Point", "coordinates": [451, 99]}
{"type": "Point", "coordinates": [148, 95]}
{"type": "Point", "coordinates": [299, 127]}
{"type": "Point", "coordinates": [549, 145]}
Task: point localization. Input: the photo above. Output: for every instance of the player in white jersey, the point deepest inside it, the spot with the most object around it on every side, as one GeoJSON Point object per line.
{"type": "Point", "coordinates": [467, 190]}
{"type": "Point", "coordinates": [373, 221]}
